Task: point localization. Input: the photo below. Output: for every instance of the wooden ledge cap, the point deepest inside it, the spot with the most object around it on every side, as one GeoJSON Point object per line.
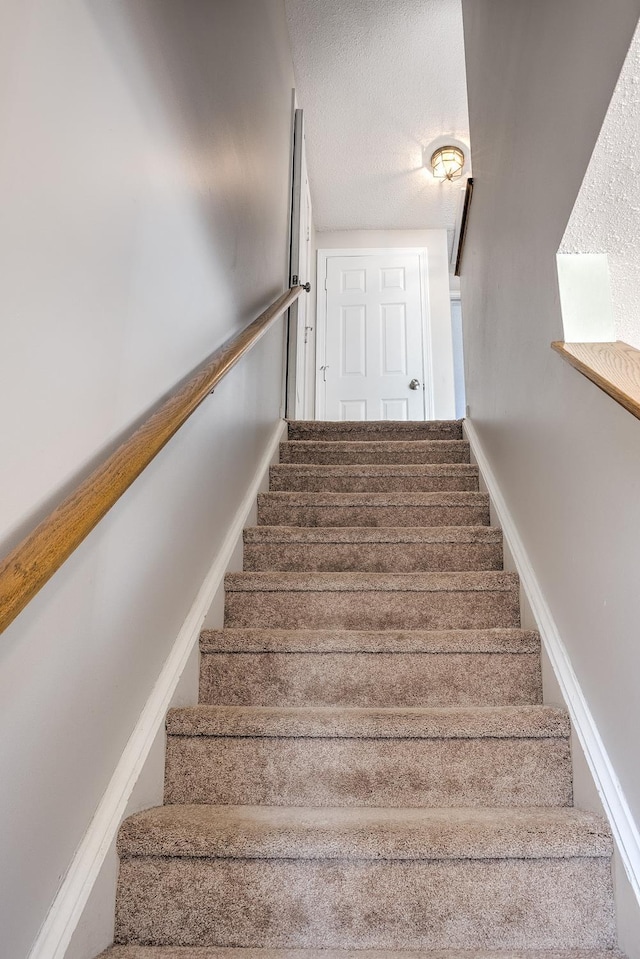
{"type": "Point", "coordinates": [613, 367]}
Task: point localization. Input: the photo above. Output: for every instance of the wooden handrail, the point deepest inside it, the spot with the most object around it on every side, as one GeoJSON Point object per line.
{"type": "Point", "coordinates": [43, 551]}
{"type": "Point", "coordinates": [464, 223]}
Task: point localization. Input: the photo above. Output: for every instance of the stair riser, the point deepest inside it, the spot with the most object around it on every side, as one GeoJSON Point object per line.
{"type": "Point", "coordinates": [400, 432]}
{"type": "Point", "coordinates": [371, 557]}
{"type": "Point", "coordinates": [295, 483]}
{"type": "Point", "coordinates": [484, 609]}
{"type": "Point", "coordinates": [370, 679]}
{"type": "Point", "coordinates": [285, 515]}
{"type": "Point", "coordinates": [449, 453]}
{"type": "Point", "coordinates": [412, 904]}
{"type": "Point", "coordinates": [215, 952]}
{"type": "Point", "coordinates": [367, 772]}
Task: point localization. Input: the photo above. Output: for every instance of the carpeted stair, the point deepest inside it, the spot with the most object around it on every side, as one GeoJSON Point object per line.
{"type": "Point", "coordinates": [370, 773]}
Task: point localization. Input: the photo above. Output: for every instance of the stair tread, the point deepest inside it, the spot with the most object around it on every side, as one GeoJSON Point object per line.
{"type": "Point", "coordinates": [375, 428]}
{"type": "Point", "coordinates": [221, 952]}
{"type": "Point", "coordinates": [377, 469]}
{"type": "Point", "coordinates": [348, 722]}
{"type": "Point", "coordinates": [370, 445]}
{"type": "Point", "coordinates": [490, 580]}
{"type": "Point", "coordinates": [363, 456]}
{"type": "Point", "coordinates": [464, 641]}
{"type": "Point", "coordinates": [451, 498]}
{"type": "Point", "coordinates": [279, 832]}
{"type": "Point", "coordinates": [372, 534]}
{"type": "Point", "coordinates": [196, 872]}
{"type": "Point", "coordinates": [374, 451]}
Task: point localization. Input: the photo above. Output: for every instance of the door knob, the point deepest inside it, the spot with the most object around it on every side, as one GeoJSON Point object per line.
{"type": "Point", "coordinates": [414, 385]}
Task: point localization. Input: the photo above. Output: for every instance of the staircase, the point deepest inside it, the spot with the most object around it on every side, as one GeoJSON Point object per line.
{"type": "Point", "coordinates": [370, 766]}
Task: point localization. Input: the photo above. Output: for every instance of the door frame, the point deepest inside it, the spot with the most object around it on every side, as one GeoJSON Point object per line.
{"type": "Point", "coordinates": [321, 318]}
{"type": "Point", "coordinates": [459, 368]}
{"type": "Point", "coordinates": [296, 367]}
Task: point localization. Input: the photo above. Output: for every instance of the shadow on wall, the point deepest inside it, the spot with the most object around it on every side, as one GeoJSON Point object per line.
{"type": "Point", "coordinates": [599, 257]}
{"type": "Point", "coordinates": [154, 47]}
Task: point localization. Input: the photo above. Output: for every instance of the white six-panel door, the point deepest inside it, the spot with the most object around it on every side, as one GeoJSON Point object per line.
{"type": "Point", "coordinates": [373, 367]}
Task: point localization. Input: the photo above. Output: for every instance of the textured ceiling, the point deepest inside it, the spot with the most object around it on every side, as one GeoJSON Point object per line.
{"type": "Point", "coordinates": [378, 80]}
{"type": "Point", "coordinates": [606, 215]}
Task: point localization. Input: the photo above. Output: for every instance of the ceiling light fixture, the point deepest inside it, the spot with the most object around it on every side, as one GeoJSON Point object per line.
{"type": "Point", "coordinates": [447, 163]}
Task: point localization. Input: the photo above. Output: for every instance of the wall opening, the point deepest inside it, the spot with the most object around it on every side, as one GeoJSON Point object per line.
{"type": "Point", "coordinates": [599, 256]}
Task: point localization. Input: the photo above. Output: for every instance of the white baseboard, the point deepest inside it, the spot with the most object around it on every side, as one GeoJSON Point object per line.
{"type": "Point", "coordinates": [615, 805]}
{"type": "Point", "coordinates": [62, 919]}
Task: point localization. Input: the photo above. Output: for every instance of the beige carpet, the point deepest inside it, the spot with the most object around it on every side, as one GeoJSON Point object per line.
{"type": "Point", "coordinates": [370, 773]}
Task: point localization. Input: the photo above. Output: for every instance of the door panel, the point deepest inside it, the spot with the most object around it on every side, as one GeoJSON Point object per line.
{"type": "Point", "coordinates": [393, 278]}
{"type": "Point", "coordinates": [395, 410]}
{"type": "Point", "coordinates": [354, 341]}
{"type": "Point", "coordinates": [374, 337]}
{"type": "Point", "coordinates": [353, 281]}
{"type": "Point", "coordinates": [394, 338]}
{"type": "Point", "coordinates": [353, 410]}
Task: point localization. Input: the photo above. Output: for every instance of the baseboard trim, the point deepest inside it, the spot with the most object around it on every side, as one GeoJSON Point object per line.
{"type": "Point", "coordinates": [55, 935]}
{"type": "Point", "coordinates": [616, 808]}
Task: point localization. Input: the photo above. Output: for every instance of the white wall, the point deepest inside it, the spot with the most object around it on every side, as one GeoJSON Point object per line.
{"type": "Point", "coordinates": [606, 215]}
{"type": "Point", "coordinates": [458, 355]}
{"type": "Point", "coordinates": [144, 186]}
{"type": "Point", "coordinates": [435, 242]}
{"type": "Point", "coordinates": [566, 457]}
{"type": "Point", "coordinates": [93, 931]}
{"type": "Point", "coordinates": [310, 386]}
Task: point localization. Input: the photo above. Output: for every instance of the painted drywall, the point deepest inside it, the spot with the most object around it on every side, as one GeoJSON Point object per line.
{"type": "Point", "coordinates": [144, 184]}
{"type": "Point", "coordinates": [592, 785]}
{"type": "Point", "coordinates": [606, 215]}
{"type": "Point", "coordinates": [94, 929]}
{"type": "Point", "coordinates": [458, 356]}
{"type": "Point", "coordinates": [379, 82]}
{"type": "Point", "coordinates": [435, 242]}
{"type": "Point", "coordinates": [566, 457]}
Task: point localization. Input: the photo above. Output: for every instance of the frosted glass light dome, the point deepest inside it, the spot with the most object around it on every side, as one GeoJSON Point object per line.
{"type": "Point", "coordinates": [447, 163]}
